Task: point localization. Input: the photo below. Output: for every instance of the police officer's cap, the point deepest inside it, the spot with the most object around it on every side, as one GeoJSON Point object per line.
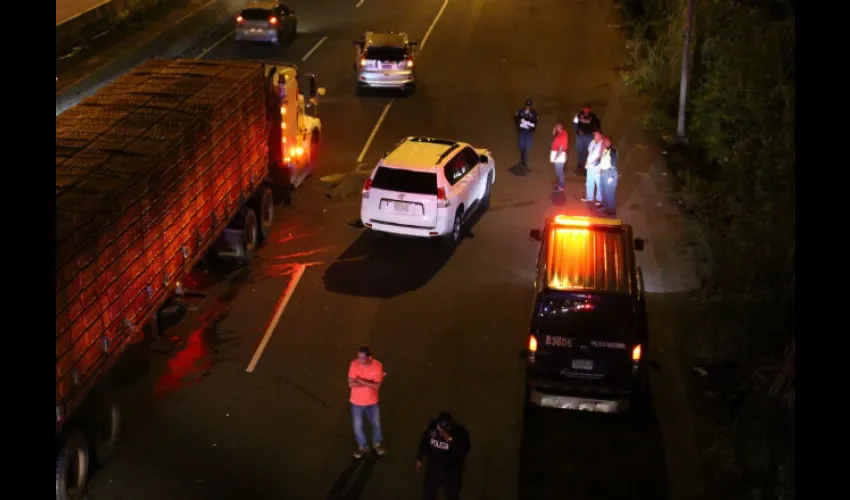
{"type": "Point", "coordinates": [445, 419]}
{"type": "Point", "coordinates": [528, 102]}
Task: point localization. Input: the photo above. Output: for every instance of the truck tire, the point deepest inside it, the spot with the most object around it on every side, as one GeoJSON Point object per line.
{"type": "Point", "coordinates": [250, 232]}
{"type": "Point", "coordinates": [107, 428]}
{"type": "Point", "coordinates": [263, 205]}
{"type": "Point", "coordinates": [72, 467]}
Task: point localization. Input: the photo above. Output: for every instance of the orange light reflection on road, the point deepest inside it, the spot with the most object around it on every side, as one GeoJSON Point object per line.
{"type": "Point", "coordinates": [193, 359]}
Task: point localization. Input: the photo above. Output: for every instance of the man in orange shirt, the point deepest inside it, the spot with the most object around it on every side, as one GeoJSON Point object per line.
{"type": "Point", "coordinates": [365, 375]}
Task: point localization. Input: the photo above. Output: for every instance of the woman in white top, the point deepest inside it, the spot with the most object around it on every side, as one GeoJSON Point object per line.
{"type": "Point", "coordinates": [608, 177]}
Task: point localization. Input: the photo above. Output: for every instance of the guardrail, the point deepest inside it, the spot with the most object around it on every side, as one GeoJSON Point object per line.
{"type": "Point", "coordinates": [78, 28]}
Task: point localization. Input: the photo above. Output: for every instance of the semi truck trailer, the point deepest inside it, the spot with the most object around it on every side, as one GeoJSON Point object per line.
{"type": "Point", "coordinates": [172, 161]}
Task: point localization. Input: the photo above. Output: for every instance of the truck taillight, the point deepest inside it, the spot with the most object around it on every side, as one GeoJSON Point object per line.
{"type": "Point", "coordinates": [283, 110]}
{"type": "Point", "coordinates": [296, 151]}
{"type": "Point", "coordinates": [636, 353]}
{"type": "Point", "coordinates": [442, 201]}
{"type": "Point", "coordinates": [272, 20]}
{"type": "Point", "coordinates": [532, 343]}
{"type": "Point", "coordinates": [239, 19]}
{"type": "Point", "coordinates": [366, 186]}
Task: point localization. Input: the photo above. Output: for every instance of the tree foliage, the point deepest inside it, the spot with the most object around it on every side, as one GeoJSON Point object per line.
{"type": "Point", "coordinates": [736, 178]}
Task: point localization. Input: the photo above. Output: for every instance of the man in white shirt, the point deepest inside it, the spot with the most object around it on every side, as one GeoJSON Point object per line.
{"type": "Point", "coordinates": [594, 157]}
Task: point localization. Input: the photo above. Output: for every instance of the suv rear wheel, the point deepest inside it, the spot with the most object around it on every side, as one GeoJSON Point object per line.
{"type": "Point", "coordinates": [453, 238]}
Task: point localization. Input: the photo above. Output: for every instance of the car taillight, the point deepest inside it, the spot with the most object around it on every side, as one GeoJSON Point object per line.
{"type": "Point", "coordinates": [636, 353]}
{"type": "Point", "coordinates": [410, 63]}
{"type": "Point", "coordinates": [239, 19]}
{"type": "Point", "coordinates": [272, 20]}
{"type": "Point", "coordinates": [366, 186]}
{"type": "Point", "coordinates": [442, 201]}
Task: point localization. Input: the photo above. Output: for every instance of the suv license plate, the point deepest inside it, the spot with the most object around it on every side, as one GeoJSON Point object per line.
{"type": "Point", "coordinates": [582, 364]}
{"type": "Point", "coordinates": [401, 207]}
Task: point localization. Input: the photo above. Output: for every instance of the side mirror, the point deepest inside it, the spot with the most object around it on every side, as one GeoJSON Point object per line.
{"type": "Point", "coordinates": [639, 243]}
{"type": "Point", "coordinates": [414, 44]}
{"type": "Point", "coordinates": [534, 234]}
{"type": "Point", "coordinates": [322, 91]}
{"type": "Point", "coordinates": [313, 89]}
{"type": "Point", "coordinates": [484, 159]}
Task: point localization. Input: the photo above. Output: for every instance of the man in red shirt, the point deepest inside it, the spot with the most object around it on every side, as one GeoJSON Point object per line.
{"type": "Point", "coordinates": [365, 375]}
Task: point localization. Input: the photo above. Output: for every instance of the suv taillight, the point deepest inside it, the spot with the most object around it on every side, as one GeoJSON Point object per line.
{"type": "Point", "coordinates": [239, 19]}
{"type": "Point", "coordinates": [442, 201]}
{"type": "Point", "coordinates": [272, 20]}
{"type": "Point", "coordinates": [366, 186]}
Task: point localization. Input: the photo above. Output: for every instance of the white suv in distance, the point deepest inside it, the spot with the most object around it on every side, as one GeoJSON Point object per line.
{"type": "Point", "coordinates": [427, 188]}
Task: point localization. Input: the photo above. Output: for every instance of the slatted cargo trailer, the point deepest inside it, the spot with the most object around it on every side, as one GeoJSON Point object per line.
{"type": "Point", "coordinates": [152, 171]}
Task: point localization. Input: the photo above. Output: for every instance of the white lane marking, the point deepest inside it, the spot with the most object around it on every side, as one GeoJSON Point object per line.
{"type": "Point", "coordinates": [319, 43]}
{"type": "Point", "coordinates": [430, 28]}
{"type": "Point", "coordinates": [374, 131]}
{"type": "Point", "coordinates": [387, 107]}
{"type": "Point", "coordinates": [359, 4]}
{"type": "Point", "coordinates": [281, 305]}
{"type": "Point", "coordinates": [216, 44]}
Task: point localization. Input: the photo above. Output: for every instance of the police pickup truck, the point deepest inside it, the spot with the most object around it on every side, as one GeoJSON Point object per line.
{"type": "Point", "coordinates": [588, 332]}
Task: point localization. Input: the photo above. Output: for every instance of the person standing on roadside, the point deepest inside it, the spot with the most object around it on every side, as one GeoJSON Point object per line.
{"type": "Point", "coordinates": [558, 153]}
{"type": "Point", "coordinates": [594, 157]}
{"type": "Point", "coordinates": [586, 123]}
{"type": "Point", "coordinates": [365, 375]}
{"type": "Point", "coordinates": [608, 177]}
{"type": "Point", "coordinates": [526, 122]}
{"type": "Point", "coordinates": [442, 453]}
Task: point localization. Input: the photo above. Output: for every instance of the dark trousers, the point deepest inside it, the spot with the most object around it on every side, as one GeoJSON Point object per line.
{"type": "Point", "coordinates": [524, 146]}
{"type": "Point", "coordinates": [582, 144]}
{"type": "Point", "coordinates": [434, 480]}
{"type": "Point", "coordinates": [608, 181]}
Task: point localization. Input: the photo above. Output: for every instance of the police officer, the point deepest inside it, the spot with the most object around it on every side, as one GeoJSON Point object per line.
{"type": "Point", "coordinates": [586, 123]}
{"type": "Point", "coordinates": [526, 122]}
{"type": "Point", "coordinates": [442, 453]}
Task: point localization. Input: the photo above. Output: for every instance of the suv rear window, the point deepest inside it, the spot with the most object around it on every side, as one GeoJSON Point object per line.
{"type": "Point", "coordinates": [386, 53]}
{"type": "Point", "coordinates": [405, 181]}
{"type": "Point", "coordinates": [576, 318]}
{"type": "Point", "coordinates": [256, 14]}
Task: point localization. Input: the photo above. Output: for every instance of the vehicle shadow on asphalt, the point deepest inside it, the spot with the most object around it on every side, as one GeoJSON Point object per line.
{"type": "Point", "coordinates": [352, 481]}
{"type": "Point", "coordinates": [591, 456]}
{"type": "Point", "coordinates": [385, 266]}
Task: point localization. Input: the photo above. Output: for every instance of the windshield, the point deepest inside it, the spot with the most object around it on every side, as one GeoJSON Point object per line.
{"type": "Point", "coordinates": [386, 54]}
{"type": "Point", "coordinates": [405, 181]}
{"type": "Point", "coordinates": [608, 318]}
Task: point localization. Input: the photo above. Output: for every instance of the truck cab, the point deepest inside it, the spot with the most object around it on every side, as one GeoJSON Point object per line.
{"type": "Point", "coordinates": [588, 331]}
{"type": "Point", "coordinates": [300, 129]}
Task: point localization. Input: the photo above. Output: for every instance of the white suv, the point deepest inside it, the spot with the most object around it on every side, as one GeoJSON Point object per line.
{"type": "Point", "coordinates": [427, 188]}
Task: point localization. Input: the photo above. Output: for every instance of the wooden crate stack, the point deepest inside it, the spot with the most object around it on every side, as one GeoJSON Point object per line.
{"type": "Point", "coordinates": [148, 170]}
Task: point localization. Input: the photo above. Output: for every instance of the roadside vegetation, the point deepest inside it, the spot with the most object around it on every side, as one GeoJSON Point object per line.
{"type": "Point", "coordinates": [735, 180]}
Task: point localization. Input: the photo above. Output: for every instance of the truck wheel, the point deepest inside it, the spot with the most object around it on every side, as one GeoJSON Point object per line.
{"type": "Point", "coordinates": [263, 205]}
{"type": "Point", "coordinates": [72, 467]}
{"type": "Point", "coordinates": [107, 429]}
{"type": "Point", "coordinates": [250, 232]}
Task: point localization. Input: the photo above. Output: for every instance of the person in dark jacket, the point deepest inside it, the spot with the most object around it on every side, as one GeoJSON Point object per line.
{"type": "Point", "coordinates": [442, 453]}
{"type": "Point", "coordinates": [608, 177]}
{"type": "Point", "coordinates": [526, 123]}
{"type": "Point", "coordinates": [586, 123]}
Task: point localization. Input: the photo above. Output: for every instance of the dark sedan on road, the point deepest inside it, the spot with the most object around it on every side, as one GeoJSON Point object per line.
{"type": "Point", "coordinates": [588, 332]}
{"type": "Point", "coordinates": [268, 22]}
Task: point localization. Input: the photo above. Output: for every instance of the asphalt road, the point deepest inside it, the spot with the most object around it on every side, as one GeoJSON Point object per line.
{"type": "Point", "coordinates": [448, 328]}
